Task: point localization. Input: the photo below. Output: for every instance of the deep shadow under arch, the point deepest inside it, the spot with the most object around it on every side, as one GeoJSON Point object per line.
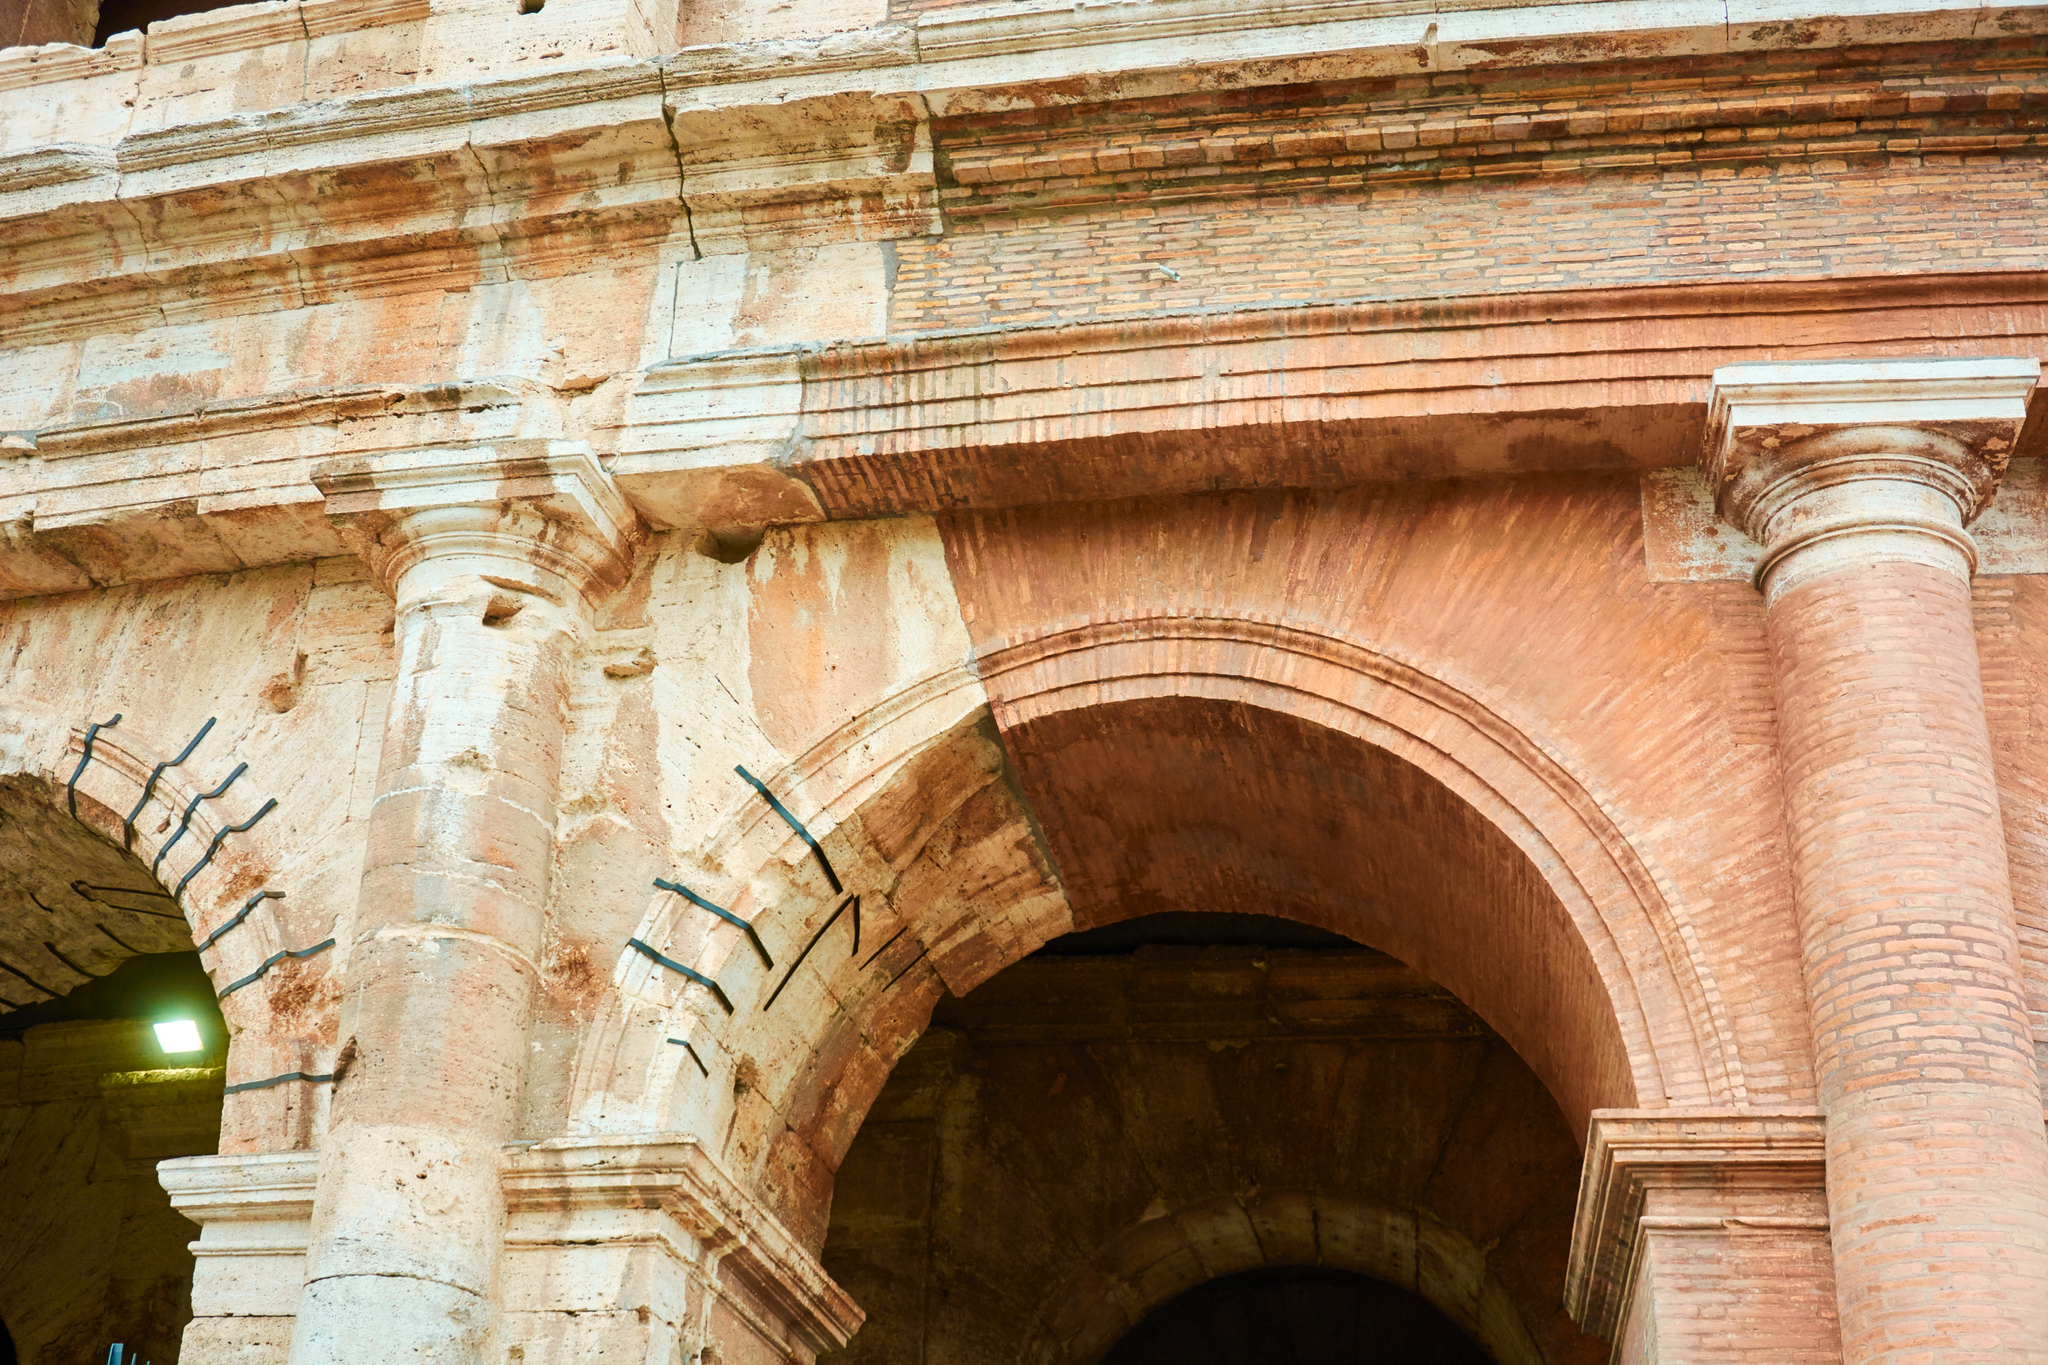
{"type": "Point", "coordinates": [1296, 1315]}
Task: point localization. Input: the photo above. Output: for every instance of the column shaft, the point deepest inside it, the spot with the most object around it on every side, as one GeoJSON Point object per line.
{"type": "Point", "coordinates": [492, 602]}
{"type": "Point", "coordinates": [1858, 478]}
{"type": "Point", "coordinates": [1936, 1152]}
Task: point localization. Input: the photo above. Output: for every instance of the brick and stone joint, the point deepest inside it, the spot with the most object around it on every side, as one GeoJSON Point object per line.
{"type": "Point", "coordinates": [1859, 479]}
{"type": "Point", "coordinates": [1082, 460]}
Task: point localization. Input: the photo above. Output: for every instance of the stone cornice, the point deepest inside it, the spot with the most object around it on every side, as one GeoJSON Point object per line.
{"type": "Point", "coordinates": [775, 142]}
{"type": "Point", "coordinates": [584, 1192]}
{"type": "Point", "coordinates": [1614, 379]}
{"type": "Point", "coordinates": [1328, 396]}
{"type": "Point", "coordinates": [593, 1197]}
{"type": "Point", "coordinates": [1756, 1169]}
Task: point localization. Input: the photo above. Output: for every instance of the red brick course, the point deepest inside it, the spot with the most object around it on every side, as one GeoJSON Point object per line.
{"type": "Point", "coordinates": [1936, 1152]}
{"type": "Point", "coordinates": [1903, 159]}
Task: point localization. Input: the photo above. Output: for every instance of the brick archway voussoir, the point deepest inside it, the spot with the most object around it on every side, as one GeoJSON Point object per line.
{"type": "Point", "coordinates": [1673, 1025]}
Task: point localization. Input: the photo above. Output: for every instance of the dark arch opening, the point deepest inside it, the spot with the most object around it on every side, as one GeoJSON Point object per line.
{"type": "Point", "coordinates": [1081, 1149]}
{"type": "Point", "coordinates": [1296, 1315]}
{"type": "Point", "coordinates": [97, 975]}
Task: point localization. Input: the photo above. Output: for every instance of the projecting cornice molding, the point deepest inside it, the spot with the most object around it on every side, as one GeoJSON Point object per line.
{"type": "Point", "coordinates": [1611, 380]}
{"type": "Point", "coordinates": [661, 1206]}
{"type": "Point", "coordinates": [651, 1210]}
{"type": "Point", "coordinates": [793, 142]}
{"type": "Point", "coordinates": [1721, 1171]}
{"type": "Point", "coordinates": [1487, 385]}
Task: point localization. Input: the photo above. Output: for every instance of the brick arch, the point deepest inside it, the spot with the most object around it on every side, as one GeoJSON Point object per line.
{"type": "Point", "coordinates": [1164, 1257]}
{"type": "Point", "coordinates": [926, 770]}
{"type": "Point", "coordinates": [42, 780]}
{"type": "Point", "coordinates": [1675, 1039]}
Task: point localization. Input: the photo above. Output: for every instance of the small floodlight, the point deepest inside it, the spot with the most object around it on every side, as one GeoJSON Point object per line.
{"type": "Point", "coordinates": [179, 1035]}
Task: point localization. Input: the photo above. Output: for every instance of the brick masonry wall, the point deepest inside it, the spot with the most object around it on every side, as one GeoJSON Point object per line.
{"type": "Point", "coordinates": [1654, 693]}
{"type": "Point", "coordinates": [1917, 158]}
{"type": "Point", "coordinates": [2011, 612]}
{"type": "Point", "coordinates": [1736, 1295]}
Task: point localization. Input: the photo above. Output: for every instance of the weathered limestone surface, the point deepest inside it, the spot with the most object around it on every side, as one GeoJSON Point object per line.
{"type": "Point", "coordinates": [639, 547]}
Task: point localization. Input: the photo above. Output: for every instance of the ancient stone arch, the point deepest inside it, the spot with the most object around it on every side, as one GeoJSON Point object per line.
{"type": "Point", "coordinates": [185, 851]}
{"type": "Point", "coordinates": [883, 787]}
{"type": "Point", "coordinates": [725, 527]}
{"type": "Point", "coordinates": [1155, 1261]}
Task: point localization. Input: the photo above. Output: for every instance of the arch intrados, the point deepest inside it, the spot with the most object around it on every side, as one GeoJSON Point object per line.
{"type": "Point", "coordinates": [1158, 1260]}
{"type": "Point", "coordinates": [45, 749]}
{"type": "Point", "coordinates": [1674, 1026]}
{"type": "Point", "coordinates": [1224, 805]}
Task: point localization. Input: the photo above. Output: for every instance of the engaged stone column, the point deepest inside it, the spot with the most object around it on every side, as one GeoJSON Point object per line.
{"type": "Point", "coordinates": [494, 566]}
{"type": "Point", "coordinates": [1858, 479]}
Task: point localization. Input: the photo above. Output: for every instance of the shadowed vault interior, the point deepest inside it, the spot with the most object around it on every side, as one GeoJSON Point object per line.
{"type": "Point", "coordinates": [91, 1252]}
{"type": "Point", "coordinates": [1186, 1099]}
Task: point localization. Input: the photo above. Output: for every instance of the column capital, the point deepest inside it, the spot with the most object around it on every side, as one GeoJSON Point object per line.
{"type": "Point", "coordinates": [541, 516]}
{"type": "Point", "coordinates": [1836, 463]}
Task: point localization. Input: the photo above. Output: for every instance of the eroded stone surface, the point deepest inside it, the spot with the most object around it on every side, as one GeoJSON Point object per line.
{"type": "Point", "coordinates": [1076, 461]}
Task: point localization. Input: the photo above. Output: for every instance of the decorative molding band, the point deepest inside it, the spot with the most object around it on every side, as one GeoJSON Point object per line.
{"type": "Point", "coordinates": [816, 128]}
{"type": "Point", "coordinates": [255, 1216]}
{"type": "Point", "coordinates": [1332, 395]}
{"type": "Point", "coordinates": [594, 1194]}
{"type": "Point", "coordinates": [1316, 397]}
{"type": "Point", "coordinates": [1743, 1170]}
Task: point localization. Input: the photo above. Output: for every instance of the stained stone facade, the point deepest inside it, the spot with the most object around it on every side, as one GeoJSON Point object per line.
{"type": "Point", "coordinates": [617, 567]}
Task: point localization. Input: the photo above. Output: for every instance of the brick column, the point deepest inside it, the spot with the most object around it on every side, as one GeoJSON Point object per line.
{"type": "Point", "coordinates": [493, 565]}
{"type": "Point", "coordinates": [1858, 478]}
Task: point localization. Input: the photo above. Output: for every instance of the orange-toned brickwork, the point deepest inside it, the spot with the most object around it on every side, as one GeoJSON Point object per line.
{"type": "Point", "coordinates": [1911, 158]}
{"type": "Point", "coordinates": [1921, 1036]}
{"type": "Point", "coordinates": [710, 533]}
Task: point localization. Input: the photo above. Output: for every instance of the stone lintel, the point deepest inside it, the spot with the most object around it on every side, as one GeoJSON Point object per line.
{"type": "Point", "coordinates": [542, 514]}
{"type": "Point", "coordinates": [586, 1206]}
{"type": "Point", "coordinates": [1700, 1170]}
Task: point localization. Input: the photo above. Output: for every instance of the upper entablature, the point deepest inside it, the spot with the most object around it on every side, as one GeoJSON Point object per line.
{"type": "Point", "coordinates": [242, 60]}
{"type": "Point", "coordinates": [198, 69]}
